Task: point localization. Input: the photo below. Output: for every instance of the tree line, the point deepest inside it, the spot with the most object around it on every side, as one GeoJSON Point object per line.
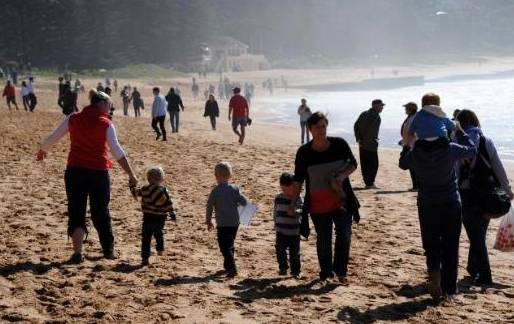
{"type": "Point", "coordinates": [86, 34]}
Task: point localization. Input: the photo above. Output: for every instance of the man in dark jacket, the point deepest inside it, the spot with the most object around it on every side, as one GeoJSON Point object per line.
{"type": "Point", "coordinates": [68, 100]}
{"type": "Point", "coordinates": [366, 130]}
{"type": "Point", "coordinates": [174, 105]}
{"type": "Point", "coordinates": [439, 206]}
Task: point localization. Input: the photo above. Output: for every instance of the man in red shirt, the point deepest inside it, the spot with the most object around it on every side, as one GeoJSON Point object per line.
{"type": "Point", "coordinates": [239, 106]}
{"type": "Point", "coordinates": [10, 94]}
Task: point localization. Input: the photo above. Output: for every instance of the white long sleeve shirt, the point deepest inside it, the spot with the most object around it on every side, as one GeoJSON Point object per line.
{"type": "Point", "coordinates": [159, 106]}
{"type": "Point", "coordinates": [63, 128]}
{"type": "Point", "coordinates": [30, 87]}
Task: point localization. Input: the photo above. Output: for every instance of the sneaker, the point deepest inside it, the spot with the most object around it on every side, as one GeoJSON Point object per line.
{"type": "Point", "coordinates": [111, 255]}
{"type": "Point", "coordinates": [231, 273]}
{"type": "Point", "coordinates": [371, 187]}
{"type": "Point", "coordinates": [145, 262]}
{"type": "Point", "coordinates": [282, 272]}
{"type": "Point", "coordinates": [449, 298]}
{"type": "Point", "coordinates": [434, 284]}
{"type": "Point", "coordinates": [343, 280]}
{"type": "Point", "coordinates": [164, 139]}
{"type": "Point", "coordinates": [76, 258]}
{"type": "Point", "coordinates": [296, 275]}
{"type": "Point", "coordinates": [157, 137]}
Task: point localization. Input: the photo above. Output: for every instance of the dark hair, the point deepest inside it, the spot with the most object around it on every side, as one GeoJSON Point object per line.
{"type": "Point", "coordinates": [156, 89]}
{"type": "Point", "coordinates": [286, 179]}
{"type": "Point", "coordinates": [467, 118]}
{"type": "Point", "coordinates": [315, 118]}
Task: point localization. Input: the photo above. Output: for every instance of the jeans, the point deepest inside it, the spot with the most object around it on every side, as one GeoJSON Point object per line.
{"type": "Point", "coordinates": [213, 122]}
{"type": "Point", "coordinates": [226, 238]}
{"type": "Point", "coordinates": [175, 119]}
{"type": "Point", "coordinates": [343, 228]}
{"type": "Point", "coordinates": [305, 131]}
{"type": "Point", "coordinates": [152, 226]}
{"type": "Point", "coordinates": [125, 107]}
{"type": "Point", "coordinates": [26, 103]}
{"type": "Point", "coordinates": [476, 228]}
{"type": "Point", "coordinates": [440, 232]}
{"type": "Point", "coordinates": [369, 165]}
{"type": "Point", "coordinates": [160, 120]}
{"type": "Point", "coordinates": [291, 243]}
{"type": "Point", "coordinates": [95, 184]}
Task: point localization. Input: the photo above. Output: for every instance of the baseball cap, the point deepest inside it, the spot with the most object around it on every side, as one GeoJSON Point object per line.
{"type": "Point", "coordinates": [377, 102]}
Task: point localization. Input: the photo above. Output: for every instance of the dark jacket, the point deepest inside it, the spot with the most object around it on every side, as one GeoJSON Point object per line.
{"type": "Point", "coordinates": [211, 109]}
{"type": "Point", "coordinates": [435, 164]}
{"type": "Point", "coordinates": [366, 129]}
{"type": "Point", "coordinates": [174, 102]}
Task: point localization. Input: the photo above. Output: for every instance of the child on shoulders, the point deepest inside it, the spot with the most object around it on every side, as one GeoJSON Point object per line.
{"type": "Point", "coordinates": [156, 204]}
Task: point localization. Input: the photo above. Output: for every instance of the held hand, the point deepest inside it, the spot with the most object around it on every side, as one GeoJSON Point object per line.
{"type": "Point", "coordinates": [210, 227]}
{"type": "Point", "coordinates": [132, 181]}
{"type": "Point", "coordinates": [41, 155]}
{"type": "Point", "coordinates": [229, 118]}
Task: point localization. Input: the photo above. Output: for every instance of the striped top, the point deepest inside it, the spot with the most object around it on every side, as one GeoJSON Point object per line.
{"type": "Point", "coordinates": [285, 224]}
{"type": "Point", "coordinates": [155, 200]}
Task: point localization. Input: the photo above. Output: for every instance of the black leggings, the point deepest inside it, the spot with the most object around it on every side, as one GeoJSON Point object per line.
{"type": "Point", "coordinates": [159, 120]}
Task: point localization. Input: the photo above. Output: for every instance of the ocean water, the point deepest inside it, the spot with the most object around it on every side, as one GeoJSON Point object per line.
{"type": "Point", "coordinates": [491, 100]}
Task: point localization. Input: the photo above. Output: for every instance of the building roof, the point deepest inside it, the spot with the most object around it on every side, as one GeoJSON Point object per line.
{"type": "Point", "coordinates": [225, 41]}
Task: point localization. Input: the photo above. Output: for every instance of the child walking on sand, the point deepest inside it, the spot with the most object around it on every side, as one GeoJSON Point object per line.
{"type": "Point", "coordinates": [156, 204]}
{"type": "Point", "coordinates": [287, 227]}
{"type": "Point", "coordinates": [224, 200]}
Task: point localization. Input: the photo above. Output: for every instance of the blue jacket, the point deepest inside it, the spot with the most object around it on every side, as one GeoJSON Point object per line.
{"type": "Point", "coordinates": [435, 164]}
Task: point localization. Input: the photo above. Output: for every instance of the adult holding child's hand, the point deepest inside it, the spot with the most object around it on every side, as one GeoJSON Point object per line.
{"type": "Point", "coordinates": [87, 172]}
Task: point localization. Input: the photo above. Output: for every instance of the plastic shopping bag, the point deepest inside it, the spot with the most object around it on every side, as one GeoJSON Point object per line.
{"type": "Point", "coordinates": [505, 236]}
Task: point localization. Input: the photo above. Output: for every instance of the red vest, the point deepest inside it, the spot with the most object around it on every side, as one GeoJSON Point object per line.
{"type": "Point", "coordinates": [88, 136]}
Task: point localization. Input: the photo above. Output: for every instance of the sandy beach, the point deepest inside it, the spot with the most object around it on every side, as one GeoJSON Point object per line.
{"type": "Point", "coordinates": [387, 266]}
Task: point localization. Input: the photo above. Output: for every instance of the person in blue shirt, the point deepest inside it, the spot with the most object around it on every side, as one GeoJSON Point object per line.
{"type": "Point", "coordinates": [431, 121]}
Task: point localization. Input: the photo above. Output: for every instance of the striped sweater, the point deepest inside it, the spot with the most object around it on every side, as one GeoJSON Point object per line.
{"type": "Point", "coordinates": [285, 224]}
{"type": "Point", "coordinates": [155, 200]}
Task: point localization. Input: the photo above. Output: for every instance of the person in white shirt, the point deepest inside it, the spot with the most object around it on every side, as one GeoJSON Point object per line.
{"type": "Point", "coordinates": [25, 95]}
{"type": "Point", "coordinates": [159, 114]}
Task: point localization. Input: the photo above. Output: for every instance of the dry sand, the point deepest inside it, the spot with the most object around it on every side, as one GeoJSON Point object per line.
{"type": "Point", "coordinates": [387, 270]}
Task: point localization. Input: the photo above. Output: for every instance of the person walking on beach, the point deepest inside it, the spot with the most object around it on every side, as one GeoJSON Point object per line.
{"type": "Point", "coordinates": [195, 88]}
{"type": "Point", "coordinates": [174, 105]}
{"type": "Point", "coordinates": [212, 110]}
{"type": "Point", "coordinates": [137, 102]}
{"type": "Point", "coordinates": [10, 94]}
{"type": "Point", "coordinates": [239, 107]}
{"type": "Point", "coordinates": [159, 114]}
{"type": "Point", "coordinates": [125, 97]}
{"type": "Point", "coordinates": [410, 110]}
{"type": "Point", "coordinates": [366, 130]}
{"type": "Point", "coordinates": [325, 164]}
{"type": "Point", "coordinates": [305, 112]}
{"type": "Point", "coordinates": [32, 99]}
{"type": "Point", "coordinates": [68, 100]}
{"type": "Point", "coordinates": [24, 90]}
{"type": "Point", "coordinates": [487, 165]}
{"type": "Point", "coordinates": [92, 136]}
{"type": "Point", "coordinates": [439, 204]}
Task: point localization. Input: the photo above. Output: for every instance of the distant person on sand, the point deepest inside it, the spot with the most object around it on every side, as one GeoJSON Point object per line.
{"type": "Point", "coordinates": [325, 164]}
{"type": "Point", "coordinates": [241, 113]}
{"type": "Point", "coordinates": [287, 228]}
{"type": "Point", "coordinates": [24, 90]}
{"type": "Point", "coordinates": [223, 201]}
{"type": "Point", "coordinates": [366, 130]}
{"type": "Point", "coordinates": [108, 91]}
{"type": "Point", "coordinates": [10, 94]}
{"type": "Point", "coordinates": [486, 166]}
{"type": "Point", "coordinates": [410, 110]}
{"type": "Point", "coordinates": [195, 88]}
{"type": "Point", "coordinates": [125, 98]}
{"type": "Point", "coordinates": [156, 205]}
{"type": "Point", "coordinates": [32, 94]}
{"type": "Point", "coordinates": [159, 114]}
{"type": "Point", "coordinates": [137, 102]}
{"type": "Point", "coordinates": [68, 100]}
{"type": "Point", "coordinates": [439, 203]}
{"type": "Point", "coordinates": [100, 87]}
{"type": "Point", "coordinates": [92, 136]}
{"type": "Point", "coordinates": [61, 88]}
{"type": "Point", "coordinates": [14, 76]}
{"type": "Point", "coordinates": [212, 110]}
{"type": "Point", "coordinates": [174, 105]}
{"type": "Point", "coordinates": [115, 84]}
{"type": "Point", "coordinates": [305, 112]}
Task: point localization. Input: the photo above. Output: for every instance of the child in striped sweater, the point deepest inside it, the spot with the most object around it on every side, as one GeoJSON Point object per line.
{"type": "Point", "coordinates": [287, 227]}
{"type": "Point", "coordinates": [156, 204]}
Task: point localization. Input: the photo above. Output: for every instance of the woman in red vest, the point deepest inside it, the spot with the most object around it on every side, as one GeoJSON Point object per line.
{"type": "Point", "coordinates": [92, 135]}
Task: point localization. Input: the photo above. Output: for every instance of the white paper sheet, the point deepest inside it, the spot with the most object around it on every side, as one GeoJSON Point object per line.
{"type": "Point", "coordinates": [246, 213]}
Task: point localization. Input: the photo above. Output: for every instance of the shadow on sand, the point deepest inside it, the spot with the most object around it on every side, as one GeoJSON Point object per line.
{"type": "Point", "coordinates": [29, 266]}
{"type": "Point", "coordinates": [184, 280]}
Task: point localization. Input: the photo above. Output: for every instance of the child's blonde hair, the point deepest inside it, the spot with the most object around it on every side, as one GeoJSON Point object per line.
{"type": "Point", "coordinates": [155, 174]}
{"type": "Point", "coordinates": [223, 170]}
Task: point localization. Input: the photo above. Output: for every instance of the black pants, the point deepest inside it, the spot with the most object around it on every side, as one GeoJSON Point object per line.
{"type": "Point", "coordinates": [440, 232]}
{"type": "Point", "coordinates": [159, 120]}
{"type": "Point", "coordinates": [413, 178]}
{"type": "Point", "coordinates": [324, 224]}
{"type": "Point", "coordinates": [32, 101]}
{"type": "Point", "coordinates": [213, 122]}
{"type": "Point", "coordinates": [226, 238]}
{"type": "Point", "coordinates": [476, 228]}
{"type": "Point", "coordinates": [152, 226]}
{"type": "Point", "coordinates": [95, 184]}
{"type": "Point", "coordinates": [369, 165]}
{"type": "Point", "coordinates": [291, 243]}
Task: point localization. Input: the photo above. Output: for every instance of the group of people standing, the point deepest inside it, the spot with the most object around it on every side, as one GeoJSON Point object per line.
{"type": "Point", "coordinates": [27, 91]}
